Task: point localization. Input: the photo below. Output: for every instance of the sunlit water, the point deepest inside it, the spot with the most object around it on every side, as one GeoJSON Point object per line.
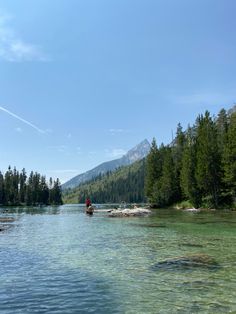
{"type": "Point", "coordinates": [59, 260]}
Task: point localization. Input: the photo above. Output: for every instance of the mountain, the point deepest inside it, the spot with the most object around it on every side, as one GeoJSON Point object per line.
{"type": "Point", "coordinates": [138, 152]}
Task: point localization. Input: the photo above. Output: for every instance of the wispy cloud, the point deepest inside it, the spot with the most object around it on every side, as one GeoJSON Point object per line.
{"type": "Point", "coordinates": [118, 131]}
{"type": "Point", "coordinates": [59, 148]}
{"type": "Point", "coordinates": [15, 49]}
{"type": "Point", "coordinates": [19, 130]}
{"type": "Point", "coordinates": [115, 153]}
{"type": "Point", "coordinates": [78, 150]}
{"type": "Point", "coordinates": [22, 120]}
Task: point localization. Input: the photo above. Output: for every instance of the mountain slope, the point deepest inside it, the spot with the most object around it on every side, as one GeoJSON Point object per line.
{"type": "Point", "coordinates": [124, 184]}
{"type": "Point", "coordinates": [137, 153]}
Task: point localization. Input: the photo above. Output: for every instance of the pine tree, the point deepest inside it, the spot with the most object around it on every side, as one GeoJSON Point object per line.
{"type": "Point", "coordinates": [9, 195]}
{"type": "Point", "coordinates": [29, 198]}
{"type": "Point", "coordinates": [178, 150]}
{"type": "Point", "coordinates": [2, 190]}
{"type": "Point", "coordinates": [222, 124]}
{"type": "Point", "coordinates": [165, 189]}
{"type": "Point", "coordinates": [153, 170]}
{"type": "Point", "coordinates": [44, 191]}
{"type": "Point", "coordinates": [229, 158]}
{"type": "Point", "coordinates": [15, 187]}
{"type": "Point", "coordinates": [187, 175]}
{"type": "Point", "coordinates": [208, 163]}
{"type": "Point", "coordinates": [22, 181]}
{"type": "Point", "coordinates": [56, 193]}
{"type": "Point", "coordinates": [51, 191]}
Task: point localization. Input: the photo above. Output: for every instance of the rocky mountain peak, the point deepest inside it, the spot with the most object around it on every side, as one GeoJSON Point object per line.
{"type": "Point", "coordinates": [138, 152]}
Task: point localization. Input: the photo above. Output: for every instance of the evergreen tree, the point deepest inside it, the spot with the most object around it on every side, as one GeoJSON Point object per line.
{"type": "Point", "coordinates": [229, 158]}
{"type": "Point", "coordinates": [44, 191]}
{"type": "Point", "coordinates": [153, 171]}
{"type": "Point", "coordinates": [29, 190]}
{"type": "Point", "coordinates": [187, 175]}
{"type": "Point", "coordinates": [222, 124]}
{"type": "Point", "coordinates": [36, 188]}
{"type": "Point", "coordinates": [208, 163]}
{"type": "Point", "coordinates": [2, 189]}
{"type": "Point", "coordinates": [15, 187]}
{"type": "Point", "coordinates": [165, 189]}
{"type": "Point", "coordinates": [51, 191]}
{"type": "Point", "coordinates": [56, 193]}
{"type": "Point", "coordinates": [22, 192]}
{"type": "Point", "coordinates": [178, 150]}
{"type": "Point", "coordinates": [9, 194]}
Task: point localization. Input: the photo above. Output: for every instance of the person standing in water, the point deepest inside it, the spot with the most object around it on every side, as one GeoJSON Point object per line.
{"type": "Point", "coordinates": [88, 203]}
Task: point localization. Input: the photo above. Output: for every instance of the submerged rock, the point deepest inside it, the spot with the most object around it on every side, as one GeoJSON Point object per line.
{"type": "Point", "coordinates": [150, 225]}
{"type": "Point", "coordinates": [188, 262]}
{"type": "Point", "coordinates": [7, 219]}
{"type": "Point", "coordinates": [134, 212]}
{"type": "Point", "coordinates": [191, 244]}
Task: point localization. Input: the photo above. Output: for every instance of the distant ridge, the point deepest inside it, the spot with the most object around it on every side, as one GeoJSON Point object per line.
{"type": "Point", "coordinates": [138, 152]}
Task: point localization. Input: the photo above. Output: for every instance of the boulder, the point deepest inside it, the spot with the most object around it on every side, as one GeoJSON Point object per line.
{"type": "Point", "coordinates": [129, 212]}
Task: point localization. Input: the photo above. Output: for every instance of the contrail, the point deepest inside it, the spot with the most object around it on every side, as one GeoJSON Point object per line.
{"type": "Point", "coordinates": [22, 120]}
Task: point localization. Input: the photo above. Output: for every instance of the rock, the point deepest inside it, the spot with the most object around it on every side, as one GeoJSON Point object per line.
{"type": "Point", "coordinates": [188, 262]}
{"type": "Point", "coordinates": [192, 210]}
{"type": "Point", "coordinates": [7, 219]}
{"type": "Point", "coordinates": [134, 212]}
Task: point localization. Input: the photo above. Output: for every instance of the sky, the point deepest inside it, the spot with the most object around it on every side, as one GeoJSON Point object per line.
{"type": "Point", "coordinates": [84, 81]}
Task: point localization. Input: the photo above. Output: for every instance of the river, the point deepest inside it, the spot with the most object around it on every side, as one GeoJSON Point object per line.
{"type": "Point", "coordinates": [59, 260]}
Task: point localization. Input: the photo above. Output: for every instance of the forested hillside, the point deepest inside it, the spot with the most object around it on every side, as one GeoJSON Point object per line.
{"type": "Point", "coordinates": [126, 184]}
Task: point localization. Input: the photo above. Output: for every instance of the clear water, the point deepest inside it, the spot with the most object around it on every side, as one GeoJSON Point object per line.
{"type": "Point", "coordinates": [59, 260]}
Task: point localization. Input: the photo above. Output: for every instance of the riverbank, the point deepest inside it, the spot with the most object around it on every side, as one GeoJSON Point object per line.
{"type": "Point", "coordinates": [186, 205]}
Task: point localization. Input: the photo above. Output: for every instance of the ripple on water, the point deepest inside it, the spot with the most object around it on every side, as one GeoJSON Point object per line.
{"type": "Point", "coordinates": [29, 286]}
{"type": "Point", "coordinates": [61, 261]}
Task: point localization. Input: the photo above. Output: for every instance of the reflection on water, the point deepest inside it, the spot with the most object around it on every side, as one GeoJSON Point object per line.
{"type": "Point", "coordinates": [59, 260]}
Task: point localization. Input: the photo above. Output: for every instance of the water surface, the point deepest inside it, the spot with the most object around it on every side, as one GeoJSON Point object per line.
{"type": "Point", "coordinates": [59, 260]}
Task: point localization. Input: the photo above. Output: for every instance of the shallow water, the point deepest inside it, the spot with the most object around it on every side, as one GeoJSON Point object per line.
{"type": "Point", "coordinates": [59, 260]}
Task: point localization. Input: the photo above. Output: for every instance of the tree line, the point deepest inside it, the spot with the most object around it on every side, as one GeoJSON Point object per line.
{"type": "Point", "coordinates": [199, 165]}
{"type": "Point", "coordinates": [18, 189]}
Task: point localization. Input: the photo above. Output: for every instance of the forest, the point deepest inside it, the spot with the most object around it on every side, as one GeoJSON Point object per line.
{"type": "Point", "coordinates": [18, 189]}
{"type": "Point", "coordinates": [198, 168]}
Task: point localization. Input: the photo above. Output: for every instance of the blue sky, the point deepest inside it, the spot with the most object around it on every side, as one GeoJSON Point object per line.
{"type": "Point", "coordinates": [83, 81]}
